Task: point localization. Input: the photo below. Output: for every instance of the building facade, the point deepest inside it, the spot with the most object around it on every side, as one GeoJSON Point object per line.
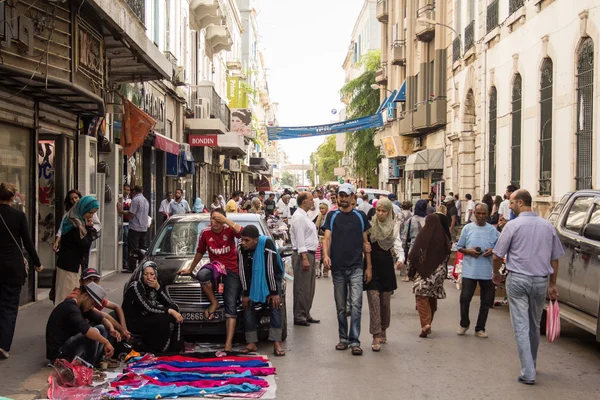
{"type": "Point", "coordinates": [521, 108]}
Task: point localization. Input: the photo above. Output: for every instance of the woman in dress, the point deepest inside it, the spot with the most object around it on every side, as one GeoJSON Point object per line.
{"type": "Point", "coordinates": [382, 237]}
{"type": "Point", "coordinates": [319, 221]}
{"type": "Point", "coordinates": [14, 234]}
{"type": "Point", "coordinates": [411, 230]}
{"type": "Point", "coordinates": [427, 261]}
{"type": "Point", "coordinates": [77, 234]}
{"type": "Point", "coordinates": [151, 313]}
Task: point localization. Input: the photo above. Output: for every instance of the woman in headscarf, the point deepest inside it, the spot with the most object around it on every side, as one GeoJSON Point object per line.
{"type": "Point", "coordinates": [382, 237]}
{"type": "Point", "coordinates": [151, 313]}
{"type": "Point", "coordinates": [216, 203]}
{"type": "Point", "coordinates": [78, 233]}
{"type": "Point", "coordinates": [427, 261]}
{"type": "Point", "coordinates": [198, 206]}
{"type": "Point", "coordinates": [256, 206]}
{"type": "Point", "coordinates": [222, 201]}
{"type": "Point", "coordinates": [319, 221]}
{"type": "Point", "coordinates": [411, 229]}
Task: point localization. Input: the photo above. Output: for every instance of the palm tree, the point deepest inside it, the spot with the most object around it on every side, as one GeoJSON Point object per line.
{"type": "Point", "coordinates": [363, 101]}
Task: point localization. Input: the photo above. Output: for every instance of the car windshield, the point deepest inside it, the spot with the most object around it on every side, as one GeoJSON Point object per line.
{"type": "Point", "coordinates": [180, 238]}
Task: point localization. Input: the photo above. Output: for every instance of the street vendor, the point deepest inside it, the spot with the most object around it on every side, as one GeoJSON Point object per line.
{"type": "Point", "coordinates": [261, 272]}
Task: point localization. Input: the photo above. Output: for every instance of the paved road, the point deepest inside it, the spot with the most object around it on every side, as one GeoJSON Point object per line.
{"type": "Point", "coordinates": [443, 366]}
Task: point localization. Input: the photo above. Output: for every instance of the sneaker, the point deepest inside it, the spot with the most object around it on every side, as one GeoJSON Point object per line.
{"type": "Point", "coordinates": [3, 354]}
{"type": "Point", "coordinates": [481, 334]}
{"type": "Point", "coordinates": [461, 331]}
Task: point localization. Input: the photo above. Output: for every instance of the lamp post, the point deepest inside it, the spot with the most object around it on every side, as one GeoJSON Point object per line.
{"type": "Point", "coordinates": [423, 21]}
{"type": "Point", "coordinates": [379, 87]}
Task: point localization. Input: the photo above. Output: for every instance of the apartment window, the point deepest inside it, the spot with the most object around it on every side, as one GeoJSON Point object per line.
{"type": "Point", "coordinates": [514, 5]}
{"type": "Point", "coordinates": [471, 10]}
{"type": "Point", "coordinates": [546, 128]}
{"type": "Point", "coordinates": [458, 14]}
{"type": "Point", "coordinates": [585, 100]}
{"type": "Point", "coordinates": [168, 25]}
{"type": "Point", "coordinates": [156, 23]}
{"type": "Point", "coordinates": [492, 141]}
{"type": "Point", "coordinates": [517, 97]}
{"type": "Point", "coordinates": [431, 93]}
{"type": "Point", "coordinates": [416, 90]}
{"type": "Point", "coordinates": [359, 47]}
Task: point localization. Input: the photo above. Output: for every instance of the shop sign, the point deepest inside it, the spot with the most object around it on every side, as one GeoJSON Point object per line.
{"type": "Point", "coordinates": [202, 140]}
{"type": "Point", "coordinates": [16, 26]}
{"type": "Point", "coordinates": [233, 165]}
{"type": "Point", "coordinates": [236, 93]}
{"type": "Point", "coordinates": [394, 170]}
{"type": "Point", "coordinates": [396, 146]}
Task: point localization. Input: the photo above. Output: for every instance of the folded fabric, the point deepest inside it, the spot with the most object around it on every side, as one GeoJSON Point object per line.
{"type": "Point", "coordinates": [198, 364]}
{"type": "Point", "coordinates": [166, 376]}
{"type": "Point", "coordinates": [183, 379]}
{"type": "Point", "coordinates": [265, 371]}
{"type": "Point", "coordinates": [151, 391]}
{"type": "Point", "coordinates": [186, 358]}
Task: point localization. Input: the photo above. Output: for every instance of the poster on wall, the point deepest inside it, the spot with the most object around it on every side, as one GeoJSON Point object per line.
{"type": "Point", "coordinates": [241, 122]}
{"type": "Point", "coordinates": [47, 201]}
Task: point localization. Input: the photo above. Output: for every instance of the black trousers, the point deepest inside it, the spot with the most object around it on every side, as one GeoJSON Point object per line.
{"type": "Point", "coordinates": [487, 295]}
{"type": "Point", "coordinates": [9, 308]}
{"type": "Point", "coordinates": [135, 241]}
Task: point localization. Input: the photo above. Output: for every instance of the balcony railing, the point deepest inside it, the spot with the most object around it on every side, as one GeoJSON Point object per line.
{"type": "Point", "coordinates": [139, 8]}
{"type": "Point", "coordinates": [492, 16]}
{"type": "Point", "coordinates": [469, 35]}
{"type": "Point", "coordinates": [456, 49]}
{"type": "Point", "coordinates": [514, 5]}
{"type": "Point", "coordinates": [218, 109]}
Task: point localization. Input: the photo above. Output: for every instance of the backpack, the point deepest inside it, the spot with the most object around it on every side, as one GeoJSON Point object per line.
{"type": "Point", "coordinates": [336, 212]}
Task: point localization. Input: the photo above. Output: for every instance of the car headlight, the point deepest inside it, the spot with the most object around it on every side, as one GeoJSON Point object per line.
{"type": "Point", "coordinates": [190, 278]}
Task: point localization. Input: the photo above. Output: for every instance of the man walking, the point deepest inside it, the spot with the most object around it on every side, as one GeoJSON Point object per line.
{"type": "Point", "coordinates": [470, 213]}
{"type": "Point", "coordinates": [179, 205]}
{"type": "Point", "coordinates": [232, 206]}
{"type": "Point", "coordinates": [532, 249]}
{"type": "Point", "coordinates": [304, 242]}
{"type": "Point", "coordinates": [261, 272]}
{"type": "Point", "coordinates": [165, 206]}
{"type": "Point", "coordinates": [138, 224]}
{"type": "Point", "coordinates": [365, 206]}
{"type": "Point", "coordinates": [477, 242]}
{"type": "Point", "coordinates": [504, 212]}
{"type": "Point", "coordinates": [343, 248]}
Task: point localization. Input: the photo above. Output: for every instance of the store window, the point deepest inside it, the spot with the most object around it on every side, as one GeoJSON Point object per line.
{"type": "Point", "coordinates": [15, 147]}
{"type": "Point", "coordinates": [546, 85]}
{"type": "Point", "coordinates": [517, 97]}
{"type": "Point", "coordinates": [585, 112]}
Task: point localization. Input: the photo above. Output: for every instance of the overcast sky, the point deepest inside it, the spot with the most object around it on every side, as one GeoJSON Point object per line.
{"type": "Point", "coordinates": [305, 44]}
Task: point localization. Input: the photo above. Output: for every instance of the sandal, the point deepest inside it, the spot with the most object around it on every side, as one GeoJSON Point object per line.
{"type": "Point", "coordinates": [376, 345]}
{"type": "Point", "coordinates": [357, 351]}
{"type": "Point", "coordinates": [248, 351]}
{"type": "Point", "coordinates": [210, 315]}
{"type": "Point", "coordinates": [279, 352]}
{"type": "Point", "coordinates": [341, 346]}
{"type": "Point", "coordinates": [383, 338]}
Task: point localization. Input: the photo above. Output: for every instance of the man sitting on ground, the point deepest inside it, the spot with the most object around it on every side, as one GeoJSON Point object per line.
{"type": "Point", "coordinates": [69, 334]}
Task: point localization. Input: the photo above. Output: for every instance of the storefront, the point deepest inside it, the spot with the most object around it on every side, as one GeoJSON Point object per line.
{"type": "Point", "coordinates": [423, 170]}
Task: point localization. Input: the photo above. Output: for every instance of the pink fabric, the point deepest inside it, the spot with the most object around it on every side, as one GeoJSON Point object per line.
{"type": "Point", "coordinates": [137, 380]}
{"type": "Point", "coordinates": [216, 359]}
{"type": "Point", "coordinates": [218, 370]}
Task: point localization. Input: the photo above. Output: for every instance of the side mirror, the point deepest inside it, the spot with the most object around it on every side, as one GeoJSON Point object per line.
{"type": "Point", "coordinates": [138, 254]}
{"type": "Point", "coordinates": [592, 232]}
{"type": "Point", "coordinates": [286, 251]}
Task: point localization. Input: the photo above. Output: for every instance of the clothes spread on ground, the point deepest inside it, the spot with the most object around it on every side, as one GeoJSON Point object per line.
{"type": "Point", "coordinates": [220, 246]}
{"type": "Point", "coordinates": [67, 320]}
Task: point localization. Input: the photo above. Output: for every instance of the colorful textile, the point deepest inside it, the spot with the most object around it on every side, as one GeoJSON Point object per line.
{"type": "Point", "coordinates": [198, 364]}
{"type": "Point", "coordinates": [263, 371]}
{"type": "Point", "coordinates": [151, 391]}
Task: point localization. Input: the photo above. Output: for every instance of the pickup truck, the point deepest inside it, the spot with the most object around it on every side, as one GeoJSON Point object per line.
{"type": "Point", "coordinates": [577, 221]}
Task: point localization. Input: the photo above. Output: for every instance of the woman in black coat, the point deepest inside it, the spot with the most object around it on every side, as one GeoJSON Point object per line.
{"type": "Point", "coordinates": [14, 234]}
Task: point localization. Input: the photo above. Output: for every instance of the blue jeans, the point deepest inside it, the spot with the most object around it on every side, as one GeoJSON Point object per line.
{"type": "Point", "coordinates": [87, 349]}
{"type": "Point", "coordinates": [348, 281]}
{"type": "Point", "coordinates": [231, 293]}
{"type": "Point", "coordinates": [526, 298]}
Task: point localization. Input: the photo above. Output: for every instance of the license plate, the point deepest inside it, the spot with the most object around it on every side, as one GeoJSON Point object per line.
{"type": "Point", "coordinates": [199, 316]}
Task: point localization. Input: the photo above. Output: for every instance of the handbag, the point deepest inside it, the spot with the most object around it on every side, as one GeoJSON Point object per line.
{"type": "Point", "coordinates": [552, 321]}
{"type": "Point", "coordinates": [20, 249]}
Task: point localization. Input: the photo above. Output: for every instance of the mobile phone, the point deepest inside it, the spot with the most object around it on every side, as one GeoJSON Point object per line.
{"type": "Point", "coordinates": [478, 249]}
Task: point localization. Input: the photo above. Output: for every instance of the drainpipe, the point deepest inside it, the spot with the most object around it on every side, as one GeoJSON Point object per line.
{"type": "Point", "coordinates": [484, 119]}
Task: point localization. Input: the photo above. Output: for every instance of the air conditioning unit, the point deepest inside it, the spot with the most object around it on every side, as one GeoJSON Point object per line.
{"type": "Point", "coordinates": [179, 78]}
{"type": "Point", "coordinates": [417, 143]}
{"type": "Point", "coordinates": [202, 108]}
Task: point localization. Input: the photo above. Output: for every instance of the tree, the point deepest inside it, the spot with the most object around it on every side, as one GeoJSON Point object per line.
{"type": "Point", "coordinates": [363, 101]}
{"type": "Point", "coordinates": [326, 159]}
{"type": "Point", "coordinates": [287, 178]}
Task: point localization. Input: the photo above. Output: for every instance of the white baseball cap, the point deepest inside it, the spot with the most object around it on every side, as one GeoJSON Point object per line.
{"type": "Point", "coordinates": [346, 188]}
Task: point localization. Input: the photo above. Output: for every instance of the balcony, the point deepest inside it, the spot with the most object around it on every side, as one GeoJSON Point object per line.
{"type": "Point", "coordinates": [456, 49]}
{"type": "Point", "coordinates": [130, 54]}
{"type": "Point", "coordinates": [381, 77]}
{"type": "Point", "coordinates": [514, 5]}
{"type": "Point", "coordinates": [469, 36]}
{"type": "Point", "coordinates": [425, 31]}
{"type": "Point", "coordinates": [382, 11]}
{"type": "Point", "coordinates": [491, 20]}
{"type": "Point", "coordinates": [234, 65]}
{"type": "Point", "coordinates": [430, 115]}
{"type": "Point", "coordinates": [209, 111]}
{"type": "Point", "coordinates": [399, 52]}
{"type": "Point", "coordinates": [204, 13]}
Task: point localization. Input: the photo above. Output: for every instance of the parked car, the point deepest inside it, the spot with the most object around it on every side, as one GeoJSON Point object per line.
{"type": "Point", "coordinates": [174, 248]}
{"type": "Point", "coordinates": [577, 221]}
{"type": "Point", "coordinates": [372, 193]}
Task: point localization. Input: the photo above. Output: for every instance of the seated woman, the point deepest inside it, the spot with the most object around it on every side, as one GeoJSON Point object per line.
{"type": "Point", "coordinates": [151, 313]}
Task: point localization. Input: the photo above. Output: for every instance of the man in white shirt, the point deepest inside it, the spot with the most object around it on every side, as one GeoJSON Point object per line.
{"type": "Point", "coordinates": [365, 206]}
{"type": "Point", "coordinates": [283, 207]}
{"type": "Point", "coordinates": [179, 205]}
{"type": "Point", "coordinates": [504, 211]}
{"type": "Point", "coordinates": [165, 206]}
{"type": "Point", "coordinates": [304, 242]}
{"type": "Point", "coordinates": [458, 205]}
{"type": "Point", "coordinates": [470, 212]}
{"type": "Point", "coordinates": [318, 200]}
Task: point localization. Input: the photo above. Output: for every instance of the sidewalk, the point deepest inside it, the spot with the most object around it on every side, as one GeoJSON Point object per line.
{"type": "Point", "coordinates": [25, 374]}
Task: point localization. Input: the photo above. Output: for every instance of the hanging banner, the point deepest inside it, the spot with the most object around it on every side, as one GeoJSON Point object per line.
{"type": "Point", "coordinates": [137, 126]}
{"type": "Point", "coordinates": [238, 98]}
{"type": "Point", "coordinates": [351, 125]}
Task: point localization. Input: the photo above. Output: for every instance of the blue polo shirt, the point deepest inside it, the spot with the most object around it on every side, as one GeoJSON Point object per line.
{"type": "Point", "coordinates": [485, 237]}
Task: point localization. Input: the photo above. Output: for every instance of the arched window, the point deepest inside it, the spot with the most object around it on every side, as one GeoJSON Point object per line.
{"type": "Point", "coordinates": [585, 112]}
{"type": "Point", "coordinates": [492, 141]}
{"type": "Point", "coordinates": [515, 173]}
{"type": "Point", "coordinates": [546, 128]}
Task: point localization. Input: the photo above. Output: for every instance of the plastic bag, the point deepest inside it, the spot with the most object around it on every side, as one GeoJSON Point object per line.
{"type": "Point", "coordinates": [552, 321]}
{"type": "Point", "coordinates": [73, 374]}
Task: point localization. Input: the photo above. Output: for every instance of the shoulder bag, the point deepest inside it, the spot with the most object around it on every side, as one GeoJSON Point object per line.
{"type": "Point", "coordinates": [19, 247]}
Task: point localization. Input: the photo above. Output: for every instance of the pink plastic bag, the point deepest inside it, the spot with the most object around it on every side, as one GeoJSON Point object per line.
{"type": "Point", "coordinates": [552, 321]}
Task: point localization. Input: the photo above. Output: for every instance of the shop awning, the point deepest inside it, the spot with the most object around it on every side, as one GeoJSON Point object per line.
{"type": "Point", "coordinates": [425, 160]}
{"type": "Point", "coordinates": [137, 125]}
{"type": "Point", "coordinates": [401, 95]}
{"type": "Point", "coordinates": [382, 105]}
{"type": "Point", "coordinates": [165, 144]}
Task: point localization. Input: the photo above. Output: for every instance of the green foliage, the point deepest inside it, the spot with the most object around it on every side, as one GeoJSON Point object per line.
{"type": "Point", "coordinates": [287, 178]}
{"type": "Point", "coordinates": [326, 158]}
{"type": "Point", "coordinates": [364, 101]}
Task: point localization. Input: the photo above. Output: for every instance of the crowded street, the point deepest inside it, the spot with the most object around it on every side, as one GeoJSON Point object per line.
{"type": "Point", "coordinates": [442, 366]}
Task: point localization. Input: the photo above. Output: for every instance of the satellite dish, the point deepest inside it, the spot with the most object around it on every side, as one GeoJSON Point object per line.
{"type": "Point", "coordinates": [333, 111]}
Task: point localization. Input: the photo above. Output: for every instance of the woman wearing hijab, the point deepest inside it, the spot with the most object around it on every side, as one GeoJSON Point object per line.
{"type": "Point", "coordinates": [151, 313]}
{"type": "Point", "coordinates": [427, 261]}
{"type": "Point", "coordinates": [411, 230]}
{"type": "Point", "coordinates": [382, 237]}
{"type": "Point", "coordinates": [222, 202]}
{"type": "Point", "coordinates": [198, 206]}
{"type": "Point", "coordinates": [78, 233]}
{"type": "Point", "coordinates": [256, 206]}
{"type": "Point", "coordinates": [319, 221]}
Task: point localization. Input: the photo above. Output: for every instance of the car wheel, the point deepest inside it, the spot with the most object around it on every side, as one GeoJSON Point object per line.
{"type": "Point", "coordinates": [543, 323]}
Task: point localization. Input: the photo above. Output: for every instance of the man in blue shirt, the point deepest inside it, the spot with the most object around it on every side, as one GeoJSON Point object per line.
{"type": "Point", "coordinates": [179, 205]}
{"type": "Point", "coordinates": [477, 243]}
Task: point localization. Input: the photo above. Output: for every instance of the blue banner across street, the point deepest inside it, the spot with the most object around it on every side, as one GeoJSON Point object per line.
{"type": "Point", "coordinates": [351, 125]}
